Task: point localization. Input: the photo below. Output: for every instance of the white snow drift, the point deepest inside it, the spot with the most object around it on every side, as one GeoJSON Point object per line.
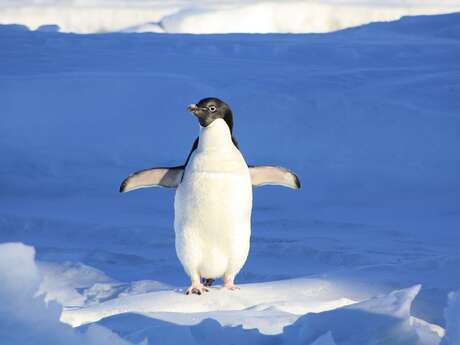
{"type": "Point", "coordinates": [452, 315]}
{"type": "Point", "coordinates": [290, 17]}
{"type": "Point", "coordinates": [257, 16]}
{"type": "Point", "coordinates": [24, 317]}
{"type": "Point", "coordinates": [268, 307]}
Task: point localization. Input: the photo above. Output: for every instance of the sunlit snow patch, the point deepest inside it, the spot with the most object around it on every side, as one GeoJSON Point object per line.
{"type": "Point", "coordinates": [291, 16]}
{"type": "Point", "coordinates": [249, 306]}
{"type": "Point", "coordinates": [257, 16]}
{"type": "Point", "coordinates": [25, 318]}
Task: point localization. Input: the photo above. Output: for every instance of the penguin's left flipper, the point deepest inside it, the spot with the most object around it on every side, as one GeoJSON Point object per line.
{"type": "Point", "coordinates": [154, 177]}
{"type": "Point", "coordinates": [269, 175]}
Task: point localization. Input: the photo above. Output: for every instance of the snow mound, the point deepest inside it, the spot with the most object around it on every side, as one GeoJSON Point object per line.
{"type": "Point", "coordinates": [256, 16]}
{"type": "Point", "coordinates": [325, 339]}
{"type": "Point", "coordinates": [254, 306]}
{"type": "Point", "coordinates": [357, 323]}
{"type": "Point", "coordinates": [81, 18]}
{"type": "Point", "coordinates": [289, 17]}
{"type": "Point", "coordinates": [452, 315]}
{"type": "Point", "coordinates": [256, 312]}
{"type": "Point", "coordinates": [48, 28]}
{"type": "Point", "coordinates": [382, 320]}
{"type": "Point", "coordinates": [24, 317]}
{"type": "Point", "coordinates": [63, 282]}
{"type": "Point", "coordinates": [76, 285]}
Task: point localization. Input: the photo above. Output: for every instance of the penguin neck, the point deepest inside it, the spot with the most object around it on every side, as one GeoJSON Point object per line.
{"type": "Point", "coordinates": [216, 136]}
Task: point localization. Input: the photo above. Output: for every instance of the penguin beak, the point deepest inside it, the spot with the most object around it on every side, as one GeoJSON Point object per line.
{"type": "Point", "coordinates": [192, 108]}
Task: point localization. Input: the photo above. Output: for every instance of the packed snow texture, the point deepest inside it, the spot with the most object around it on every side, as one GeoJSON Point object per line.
{"type": "Point", "coordinates": [365, 253]}
{"type": "Point", "coordinates": [452, 315]}
{"type": "Point", "coordinates": [256, 16]}
{"type": "Point", "coordinates": [25, 318]}
{"type": "Point", "coordinates": [290, 16]}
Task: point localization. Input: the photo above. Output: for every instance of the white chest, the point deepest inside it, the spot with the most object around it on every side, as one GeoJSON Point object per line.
{"type": "Point", "coordinates": [216, 184]}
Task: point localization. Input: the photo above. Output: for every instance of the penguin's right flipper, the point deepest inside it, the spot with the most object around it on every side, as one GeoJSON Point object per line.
{"type": "Point", "coordinates": [154, 177]}
{"type": "Point", "coordinates": [270, 175]}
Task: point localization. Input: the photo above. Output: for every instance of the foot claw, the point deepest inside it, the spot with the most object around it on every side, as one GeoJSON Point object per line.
{"type": "Point", "coordinates": [196, 290]}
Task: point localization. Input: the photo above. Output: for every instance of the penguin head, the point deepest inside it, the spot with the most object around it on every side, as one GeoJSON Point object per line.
{"type": "Point", "coordinates": [209, 109]}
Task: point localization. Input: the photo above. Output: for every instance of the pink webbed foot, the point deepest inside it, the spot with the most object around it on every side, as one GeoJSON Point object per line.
{"type": "Point", "coordinates": [229, 284]}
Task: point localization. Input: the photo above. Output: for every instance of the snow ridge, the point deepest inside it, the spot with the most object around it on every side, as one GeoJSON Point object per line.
{"type": "Point", "coordinates": [25, 318]}
{"type": "Point", "coordinates": [236, 16]}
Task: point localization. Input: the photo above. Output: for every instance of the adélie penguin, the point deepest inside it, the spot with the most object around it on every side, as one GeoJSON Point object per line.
{"type": "Point", "coordinates": [213, 201]}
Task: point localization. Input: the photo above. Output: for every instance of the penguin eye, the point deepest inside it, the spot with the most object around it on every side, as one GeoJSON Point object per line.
{"type": "Point", "coordinates": [212, 108]}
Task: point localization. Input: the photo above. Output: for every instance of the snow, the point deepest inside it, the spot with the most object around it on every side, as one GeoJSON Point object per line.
{"type": "Point", "coordinates": [325, 339]}
{"type": "Point", "coordinates": [249, 307]}
{"type": "Point", "coordinates": [357, 323]}
{"type": "Point", "coordinates": [452, 315]}
{"type": "Point", "coordinates": [366, 252]}
{"type": "Point", "coordinates": [290, 16]}
{"type": "Point", "coordinates": [230, 16]}
{"type": "Point", "coordinates": [24, 317]}
{"type": "Point", "coordinates": [264, 307]}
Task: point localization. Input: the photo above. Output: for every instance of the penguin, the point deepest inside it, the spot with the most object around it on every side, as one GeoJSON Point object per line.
{"type": "Point", "coordinates": [213, 200]}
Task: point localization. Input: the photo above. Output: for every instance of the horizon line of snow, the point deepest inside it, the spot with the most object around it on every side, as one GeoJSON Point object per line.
{"type": "Point", "coordinates": [210, 17]}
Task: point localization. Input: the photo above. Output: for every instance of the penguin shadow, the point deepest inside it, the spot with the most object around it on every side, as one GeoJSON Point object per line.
{"type": "Point", "coordinates": [136, 328]}
{"type": "Point", "coordinates": [335, 327]}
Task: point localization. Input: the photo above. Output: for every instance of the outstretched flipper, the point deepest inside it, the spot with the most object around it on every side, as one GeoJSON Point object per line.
{"type": "Point", "coordinates": [154, 177]}
{"type": "Point", "coordinates": [157, 177]}
{"type": "Point", "coordinates": [268, 175]}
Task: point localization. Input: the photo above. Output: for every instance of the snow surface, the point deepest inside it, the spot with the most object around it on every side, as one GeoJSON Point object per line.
{"type": "Point", "coordinates": [365, 253]}
{"type": "Point", "coordinates": [452, 315]}
{"type": "Point", "coordinates": [24, 317]}
{"type": "Point", "coordinates": [27, 319]}
{"type": "Point", "coordinates": [204, 16]}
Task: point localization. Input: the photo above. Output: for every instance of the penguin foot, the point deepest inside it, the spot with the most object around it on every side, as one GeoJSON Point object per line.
{"type": "Point", "coordinates": [207, 282]}
{"type": "Point", "coordinates": [231, 287]}
{"type": "Point", "coordinates": [229, 283]}
{"type": "Point", "coordinates": [196, 290]}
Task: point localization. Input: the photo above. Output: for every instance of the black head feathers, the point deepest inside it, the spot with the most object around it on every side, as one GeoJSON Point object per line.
{"type": "Point", "coordinates": [209, 109]}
